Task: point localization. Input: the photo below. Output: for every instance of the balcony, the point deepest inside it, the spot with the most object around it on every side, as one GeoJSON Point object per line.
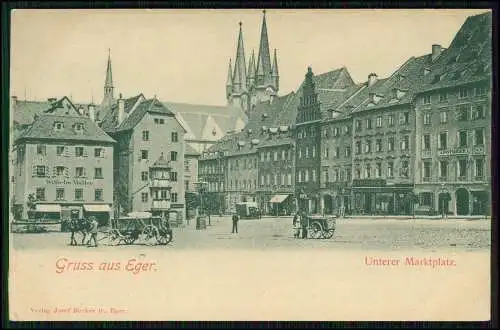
{"type": "Point", "coordinates": [478, 150]}
{"type": "Point", "coordinates": [462, 178]}
{"type": "Point", "coordinates": [426, 154]}
{"type": "Point", "coordinates": [160, 183]}
{"type": "Point", "coordinates": [160, 204]}
{"type": "Point", "coordinates": [455, 151]}
{"type": "Point", "coordinates": [426, 179]}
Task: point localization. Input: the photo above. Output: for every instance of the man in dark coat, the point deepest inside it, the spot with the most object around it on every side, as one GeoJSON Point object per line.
{"type": "Point", "coordinates": [236, 218]}
{"type": "Point", "coordinates": [93, 230]}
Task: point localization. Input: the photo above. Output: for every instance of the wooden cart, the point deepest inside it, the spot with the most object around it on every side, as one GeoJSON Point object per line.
{"type": "Point", "coordinates": [321, 226]}
{"type": "Point", "coordinates": [131, 228]}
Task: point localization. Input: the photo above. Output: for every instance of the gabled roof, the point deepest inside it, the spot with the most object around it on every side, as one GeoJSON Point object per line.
{"type": "Point", "coordinates": [151, 105]}
{"type": "Point", "coordinates": [162, 162]}
{"type": "Point", "coordinates": [43, 128]}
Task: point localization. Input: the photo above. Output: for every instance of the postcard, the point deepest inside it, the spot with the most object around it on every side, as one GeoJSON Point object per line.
{"type": "Point", "coordinates": [250, 165]}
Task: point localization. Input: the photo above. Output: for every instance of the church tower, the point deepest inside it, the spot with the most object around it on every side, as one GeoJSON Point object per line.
{"type": "Point", "coordinates": [109, 98]}
{"type": "Point", "coordinates": [245, 88]}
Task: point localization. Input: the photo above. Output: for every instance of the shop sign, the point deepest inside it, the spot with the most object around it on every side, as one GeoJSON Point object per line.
{"type": "Point", "coordinates": [368, 182]}
{"type": "Point", "coordinates": [76, 182]}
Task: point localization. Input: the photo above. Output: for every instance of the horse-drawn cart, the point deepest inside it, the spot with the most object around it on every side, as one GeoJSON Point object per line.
{"type": "Point", "coordinates": [321, 226]}
{"type": "Point", "coordinates": [131, 228]}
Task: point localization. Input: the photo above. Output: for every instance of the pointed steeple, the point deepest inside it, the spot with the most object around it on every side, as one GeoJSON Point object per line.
{"type": "Point", "coordinates": [240, 70]}
{"type": "Point", "coordinates": [264, 58]}
{"type": "Point", "coordinates": [229, 82]}
{"type": "Point", "coordinates": [251, 70]}
{"type": "Point", "coordinates": [275, 72]}
{"type": "Point", "coordinates": [108, 85]}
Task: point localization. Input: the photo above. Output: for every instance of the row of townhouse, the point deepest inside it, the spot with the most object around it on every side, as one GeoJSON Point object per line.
{"type": "Point", "coordinates": [416, 141]}
{"type": "Point", "coordinates": [67, 164]}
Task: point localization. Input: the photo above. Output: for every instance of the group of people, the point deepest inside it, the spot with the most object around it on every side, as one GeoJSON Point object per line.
{"type": "Point", "coordinates": [300, 224]}
{"type": "Point", "coordinates": [84, 226]}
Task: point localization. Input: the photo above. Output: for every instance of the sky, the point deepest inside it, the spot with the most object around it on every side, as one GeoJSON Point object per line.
{"type": "Point", "coordinates": [182, 55]}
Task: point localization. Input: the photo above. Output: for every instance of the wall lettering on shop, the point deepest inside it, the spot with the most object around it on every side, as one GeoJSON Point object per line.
{"type": "Point", "coordinates": [77, 182]}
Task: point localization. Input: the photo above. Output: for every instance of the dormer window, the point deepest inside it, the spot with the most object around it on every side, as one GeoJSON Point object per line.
{"type": "Point", "coordinates": [58, 126]}
{"type": "Point", "coordinates": [426, 71]}
{"type": "Point", "coordinates": [78, 127]}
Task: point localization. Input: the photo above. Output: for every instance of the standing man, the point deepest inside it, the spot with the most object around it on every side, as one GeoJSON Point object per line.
{"type": "Point", "coordinates": [93, 230]}
{"type": "Point", "coordinates": [236, 218]}
{"type": "Point", "coordinates": [304, 222]}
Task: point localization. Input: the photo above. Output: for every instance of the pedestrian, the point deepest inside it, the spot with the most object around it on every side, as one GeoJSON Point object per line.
{"type": "Point", "coordinates": [74, 227]}
{"type": "Point", "coordinates": [342, 211]}
{"type": "Point", "coordinates": [93, 230]}
{"type": "Point", "coordinates": [304, 223]}
{"type": "Point", "coordinates": [296, 225]}
{"type": "Point", "coordinates": [236, 218]}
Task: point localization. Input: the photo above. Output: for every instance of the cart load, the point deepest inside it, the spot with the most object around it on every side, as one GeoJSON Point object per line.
{"type": "Point", "coordinates": [140, 224]}
{"type": "Point", "coordinates": [321, 226]}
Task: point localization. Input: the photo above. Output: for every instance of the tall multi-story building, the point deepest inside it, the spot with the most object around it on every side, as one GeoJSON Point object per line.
{"type": "Point", "coordinates": [453, 115]}
{"type": "Point", "coordinates": [212, 174]}
{"type": "Point", "coordinates": [149, 157]}
{"type": "Point", "coordinates": [63, 166]}
{"type": "Point", "coordinates": [246, 88]}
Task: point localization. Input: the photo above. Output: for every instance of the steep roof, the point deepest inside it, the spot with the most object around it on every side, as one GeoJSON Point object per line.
{"type": "Point", "coordinates": [190, 151]}
{"type": "Point", "coordinates": [151, 105]}
{"type": "Point", "coordinates": [110, 120]}
{"type": "Point", "coordinates": [43, 128]}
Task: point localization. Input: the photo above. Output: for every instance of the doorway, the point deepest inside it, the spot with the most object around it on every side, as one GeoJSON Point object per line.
{"type": "Point", "coordinates": [462, 197]}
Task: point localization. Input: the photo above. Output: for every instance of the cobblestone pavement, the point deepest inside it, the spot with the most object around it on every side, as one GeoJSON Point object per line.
{"type": "Point", "coordinates": [275, 233]}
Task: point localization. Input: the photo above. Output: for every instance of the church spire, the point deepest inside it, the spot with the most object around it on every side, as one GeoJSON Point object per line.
{"type": "Point", "coordinates": [108, 85]}
{"type": "Point", "coordinates": [240, 74]}
{"type": "Point", "coordinates": [229, 82]}
{"type": "Point", "coordinates": [251, 70]}
{"type": "Point", "coordinates": [264, 58]}
{"type": "Point", "coordinates": [275, 74]}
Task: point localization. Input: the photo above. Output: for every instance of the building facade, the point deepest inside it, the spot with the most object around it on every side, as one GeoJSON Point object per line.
{"type": "Point", "coordinates": [63, 167]}
{"type": "Point", "coordinates": [212, 174]}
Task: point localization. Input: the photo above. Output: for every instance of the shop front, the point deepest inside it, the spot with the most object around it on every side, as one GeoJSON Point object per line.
{"type": "Point", "coordinates": [47, 211]}
{"type": "Point", "coordinates": [308, 202]}
{"type": "Point", "coordinates": [100, 211]}
{"type": "Point", "coordinates": [281, 204]}
{"type": "Point", "coordinates": [337, 198]}
{"type": "Point", "coordinates": [376, 197]}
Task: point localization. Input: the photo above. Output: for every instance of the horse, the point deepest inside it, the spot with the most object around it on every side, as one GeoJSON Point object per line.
{"type": "Point", "coordinates": [79, 225]}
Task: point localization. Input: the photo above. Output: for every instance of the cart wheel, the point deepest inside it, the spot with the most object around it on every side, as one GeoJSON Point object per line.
{"type": "Point", "coordinates": [113, 236]}
{"type": "Point", "coordinates": [165, 238]}
{"type": "Point", "coordinates": [316, 230]}
{"type": "Point", "coordinates": [328, 233]}
{"type": "Point", "coordinates": [129, 240]}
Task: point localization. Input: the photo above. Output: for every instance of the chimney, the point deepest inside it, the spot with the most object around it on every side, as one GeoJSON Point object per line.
{"type": "Point", "coordinates": [436, 51]}
{"type": "Point", "coordinates": [121, 109]}
{"type": "Point", "coordinates": [81, 110]}
{"type": "Point", "coordinates": [91, 109]}
{"type": "Point", "coordinates": [372, 79]}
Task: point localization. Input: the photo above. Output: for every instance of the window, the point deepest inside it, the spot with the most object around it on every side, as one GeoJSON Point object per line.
{"type": "Point", "coordinates": [79, 194]}
{"type": "Point", "coordinates": [336, 131]}
{"type": "Point", "coordinates": [337, 152]}
{"type": "Point", "coordinates": [405, 142]}
{"type": "Point", "coordinates": [174, 197]}
{"type": "Point", "coordinates": [480, 91]}
{"type": "Point", "coordinates": [156, 121]}
{"type": "Point", "coordinates": [145, 135]}
{"type": "Point", "coordinates": [390, 146]}
{"type": "Point", "coordinates": [427, 99]}
{"type": "Point", "coordinates": [173, 156]}
{"type": "Point", "coordinates": [427, 118]}
{"type": "Point", "coordinates": [348, 173]}
{"type": "Point", "coordinates": [307, 152]}
{"type": "Point", "coordinates": [462, 139]}
{"type": "Point", "coordinates": [426, 142]}
{"type": "Point", "coordinates": [144, 154]}
{"type": "Point", "coordinates": [379, 121]}
{"type": "Point", "coordinates": [60, 194]}
{"type": "Point", "coordinates": [325, 133]}
{"type": "Point", "coordinates": [358, 147]}
{"type": "Point", "coordinates": [306, 176]}
{"type": "Point", "coordinates": [427, 170]}
{"type": "Point", "coordinates": [404, 118]}
{"type": "Point", "coordinates": [79, 172]}
{"type": "Point", "coordinates": [175, 137]}
{"type": "Point", "coordinates": [268, 156]}
{"type": "Point", "coordinates": [367, 171]}
{"type": "Point", "coordinates": [325, 175]}
{"type": "Point", "coordinates": [186, 165]}
{"type": "Point", "coordinates": [479, 168]}
{"type": "Point", "coordinates": [40, 194]}
{"type": "Point", "coordinates": [463, 93]}
{"type": "Point", "coordinates": [79, 151]}
{"type": "Point", "coordinates": [425, 199]}
{"type": "Point", "coordinates": [378, 170]}
{"type": "Point", "coordinates": [378, 145]}
{"type": "Point", "coordinates": [347, 151]}
{"type": "Point", "coordinates": [336, 174]}
{"type": "Point", "coordinates": [479, 136]}
{"type": "Point", "coordinates": [391, 120]}
{"type": "Point", "coordinates": [368, 123]}
{"type": "Point", "coordinates": [78, 127]}
{"type": "Point", "coordinates": [41, 149]}
{"type": "Point", "coordinates": [314, 175]}
{"type": "Point", "coordinates": [326, 152]}
{"type": "Point", "coordinates": [41, 171]}
{"type": "Point", "coordinates": [289, 182]}
{"type": "Point", "coordinates": [462, 168]}
{"type": "Point", "coordinates": [390, 170]}
{"type": "Point", "coordinates": [144, 197]}
{"type": "Point", "coordinates": [98, 194]}
{"type": "Point", "coordinates": [347, 130]}
{"type": "Point", "coordinates": [443, 117]}
{"type": "Point", "coordinates": [173, 176]}
{"type": "Point", "coordinates": [443, 97]}
{"type": "Point", "coordinates": [443, 169]}
{"type": "Point", "coordinates": [478, 112]}
{"type": "Point", "coordinates": [463, 113]}
{"type": "Point", "coordinates": [58, 126]}
{"type": "Point", "coordinates": [443, 141]}
{"type": "Point", "coordinates": [275, 156]}
{"type": "Point", "coordinates": [60, 170]}
{"type": "Point", "coordinates": [262, 156]}
{"type": "Point", "coordinates": [283, 155]}
{"type": "Point", "coordinates": [358, 125]}
{"type": "Point", "coordinates": [98, 173]}
{"type": "Point", "coordinates": [314, 152]}
{"type": "Point", "coordinates": [60, 150]}
{"type": "Point", "coordinates": [404, 169]}
{"type": "Point", "coordinates": [98, 152]}
{"type": "Point", "coordinates": [144, 176]}
{"type": "Point", "coordinates": [368, 146]}
{"type": "Point", "coordinates": [357, 173]}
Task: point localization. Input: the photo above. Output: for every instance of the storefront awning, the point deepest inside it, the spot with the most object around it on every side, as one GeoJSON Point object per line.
{"type": "Point", "coordinates": [55, 208]}
{"type": "Point", "coordinates": [96, 208]}
{"type": "Point", "coordinates": [278, 198]}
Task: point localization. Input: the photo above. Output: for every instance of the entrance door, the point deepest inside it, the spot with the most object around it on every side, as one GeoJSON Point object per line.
{"type": "Point", "coordinates": [462, 196]}
{"type": "Point", "coordinates": [479, 203]}
{"type": "Point", "coordinates": [328, 201]}
{"type": "Point", "coordinates": [444, 199]}
{"type": "Point", "coordinates": [368, 204]}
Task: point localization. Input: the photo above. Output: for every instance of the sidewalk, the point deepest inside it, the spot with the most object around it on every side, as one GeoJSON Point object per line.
{"type": "Point", "coordinates": [417, 217]}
